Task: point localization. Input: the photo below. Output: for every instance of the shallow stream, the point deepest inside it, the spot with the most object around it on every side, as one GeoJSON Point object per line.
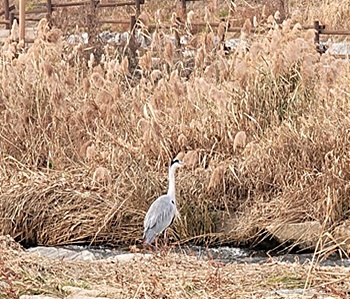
{"type": "Point", "coordinates": [220, 254]}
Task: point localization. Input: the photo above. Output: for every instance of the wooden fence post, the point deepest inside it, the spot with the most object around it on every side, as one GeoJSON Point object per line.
{"type": "Point", "coordinates": [132, 41]}
{"type": "Point", "coordinates": [22, 18]}
{"type": "Point", "coordinates": [7, 13]}
{"type": "Point", "coordinates": [11, 18]}
{"type": "Point", "coordinates": [183, 9]}
{"type": "Point", "coordinates": [49, 11]}
{"type": "Point", "coordinates": [138, 8]}
{"type": "Point", "coordinates": [93, 4]}
{"type": "Point", "coordinates": [317, 34]}
{"type": "Point", "coordinates": [132, 23]}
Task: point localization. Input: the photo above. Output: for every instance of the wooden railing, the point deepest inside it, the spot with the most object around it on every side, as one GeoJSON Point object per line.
{"type": "Point", "coordinates": [10, 13]}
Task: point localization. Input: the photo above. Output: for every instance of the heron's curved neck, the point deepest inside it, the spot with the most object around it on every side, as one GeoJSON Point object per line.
{"type": "Point", "coordinates": [171, 189]}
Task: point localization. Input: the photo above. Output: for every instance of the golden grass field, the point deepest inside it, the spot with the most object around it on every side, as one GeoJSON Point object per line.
{"type": "Point", "coordinates": [87, 135]}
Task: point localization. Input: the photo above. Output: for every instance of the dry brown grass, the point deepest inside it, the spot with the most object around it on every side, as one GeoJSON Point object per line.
{"type": "Point", "coordinates": [331, 13]}
{"type": "Point", "coordinates": [169, 276]}
{"type": "Point", "coordinates": [86, 137]}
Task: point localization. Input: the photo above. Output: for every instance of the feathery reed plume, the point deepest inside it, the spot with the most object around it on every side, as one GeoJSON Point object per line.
{"type": "Point", "coordinates": [156, 75]}
{"type": "Point", "coordinates": [97, 80]}
{"type": "Point", "coordinates": [191, 159]}
{"type": "Point", "coordinates": [83, 148]}
{"type": "Point", "coordinates": [247, 27]}
{"type": "Point", "coordinates": [173, 19]}
{"type": "Point", "coordinates": [54, 35]}
{"type": "Point", "coordinates": [14, 34]}
{"type": "Point", "coordinates": [271, 20]}
{"type": "Point", "coordinates": [43, 25]}
{"type": "Point", "coordinates": [144, 20]}
{"type": "Point", "coordinates": [240, 140]}
{"type": "Point", "coordinates": [169, 53]}
{"type": "Point", "coordinates": [255, 22]}
{"type": "Point", "coordinates": [200, 58]}
{"type": "Point", "coordinates": [277, 15]}
{"type": "Point", "coordinates": [221, 31]}
{"type": "Point", "coordinates": [146, 61]}
{"type": "Point", "coordinates": [217, 177]}
{"type": "Point", "coordinates": [48, 69]}
{"type": "Point", "coordinates": [86, 85]}
{"type": "Point", "coordinates": [102, 176]}
{"type": "Point", "coordinates": [125, 66]}
{"type": "Point", "coordinates": [209, 42]}
{"type": "Point", "coordinates": [91, 152]}
{"type": "Point", "coordinates": [189, 19]}
{"type": "Point", "coordinates": [210, 71]}
{"type": "Point", "coordinates": [182, 140]}
{"type": "Point", "coordinates": [264, 12]}
{"type": "Point", "coordinates": [212, 6]}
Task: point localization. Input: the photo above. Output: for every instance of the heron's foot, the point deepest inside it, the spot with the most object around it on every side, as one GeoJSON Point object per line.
{"type": "Point", "coordinates": [149, 247]}
{"type": "Point", "coordinates": [164, 251]}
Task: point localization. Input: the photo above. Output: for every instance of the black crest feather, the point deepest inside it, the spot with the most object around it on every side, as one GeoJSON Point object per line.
{"type": "Point", "coordinates": [176, 160]}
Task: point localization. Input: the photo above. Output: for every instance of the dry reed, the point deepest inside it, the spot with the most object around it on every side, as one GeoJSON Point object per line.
{"type": "Point", "coordinates": [86, 142]}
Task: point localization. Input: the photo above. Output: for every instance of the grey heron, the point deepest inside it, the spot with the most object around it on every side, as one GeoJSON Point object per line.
{"type": "Point", "coordinates": [162, 211]}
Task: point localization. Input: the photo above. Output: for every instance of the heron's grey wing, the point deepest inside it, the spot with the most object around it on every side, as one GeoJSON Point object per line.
{"type": "Point", "coordinates": [160, 214]}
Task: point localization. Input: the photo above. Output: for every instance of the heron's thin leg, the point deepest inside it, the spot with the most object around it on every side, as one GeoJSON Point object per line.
{"type": "Point", "coordinates": [166, 238]}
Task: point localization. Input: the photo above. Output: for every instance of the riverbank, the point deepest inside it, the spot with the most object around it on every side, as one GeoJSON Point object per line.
{"type": "Point", "coordinates": [167, 275]}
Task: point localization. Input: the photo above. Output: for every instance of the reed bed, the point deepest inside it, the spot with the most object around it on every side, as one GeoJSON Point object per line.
{"type": "Point", "coordinates": [87, 135]}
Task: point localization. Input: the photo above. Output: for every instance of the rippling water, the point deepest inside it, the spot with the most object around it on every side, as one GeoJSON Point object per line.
{"type": "Point", "coordinates": [223, 254]}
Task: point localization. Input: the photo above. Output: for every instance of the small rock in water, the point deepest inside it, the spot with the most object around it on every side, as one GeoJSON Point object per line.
{"type": "Point", "coordinates": [305, 234]}
{"type": "Point", "coordinates": [85, 255]}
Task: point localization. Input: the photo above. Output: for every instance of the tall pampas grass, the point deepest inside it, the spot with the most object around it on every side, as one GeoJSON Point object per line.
{"type": "Point", "coordinates": [93, 135]}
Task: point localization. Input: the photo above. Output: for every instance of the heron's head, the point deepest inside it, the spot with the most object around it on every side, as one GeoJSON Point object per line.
{"type": "Point", "coordinates": [176, 163]}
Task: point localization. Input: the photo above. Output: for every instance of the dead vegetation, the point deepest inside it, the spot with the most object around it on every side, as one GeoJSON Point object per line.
{"type": "Point", "coordinates": [85, 142]}
{"type": "Point", "coordinates": [169, 276]}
